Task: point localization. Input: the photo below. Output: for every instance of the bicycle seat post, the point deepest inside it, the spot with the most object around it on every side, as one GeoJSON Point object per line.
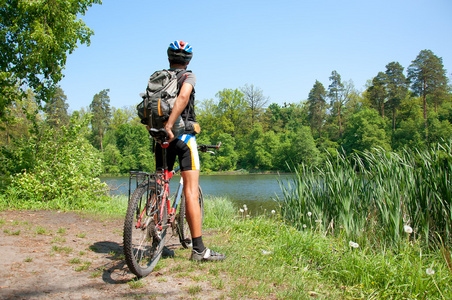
{"type": "Point", "coordinates": [165, 162]}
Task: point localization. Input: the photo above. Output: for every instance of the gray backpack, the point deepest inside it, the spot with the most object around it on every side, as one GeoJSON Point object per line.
{"type": "Point", "coordinates": [158, 101]}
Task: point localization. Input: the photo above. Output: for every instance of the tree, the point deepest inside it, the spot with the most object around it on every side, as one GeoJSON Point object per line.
{"type": "Point", "coordinates": [337, 96]}
{"type": "Point", "coordinates": [396, 86]}
{"type": "Point", "coordinates": [56, 109]}
{"type": "Point", "coordinates": [256, 101]}
{"type": "Point", "coordinates": [231, 111]}
{"type": "Point", "coordinates": [100, 108]}
{"type": "Point", "coordinates": [365, 130]}
{"type": "Point", "coordinates": [377, 93]}
{"type": "Point", "coordinates": [428, 78]}
{"type": "Point", "coordinates": [36, 37]}
{"type": "Point", "coordinates": [317, 107]}
{"type": "Point", "coordinates": [63, 172]}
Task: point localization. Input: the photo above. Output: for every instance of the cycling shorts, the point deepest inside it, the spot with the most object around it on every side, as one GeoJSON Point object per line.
{"type": "Point", "coordinates": [185, 148]}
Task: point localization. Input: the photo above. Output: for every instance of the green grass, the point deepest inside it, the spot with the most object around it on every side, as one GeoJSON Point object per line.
{"type": "Point", "coordinates": [59, 249]}
{"type": "Point", "coordinates": [267, 257]}
{"type": "Point", "coordinates": [378, 192]}
{"type": "Point", "coordinates": [41, 230]}
{"type": "Point", "coordinates": [275, 256]}
{"type": "Point", "coordinates": [83, 267]}
{"type": "Point", "coordinates": [136, 284]}
{"type": "Point", "coordinates": [58, 239]}
{"type": "Point", "coordinates": [74, 260]}
{"type": "Point", "coordinates": [195, 289]}
{"type": "Point", "coordinates": [9, 232]}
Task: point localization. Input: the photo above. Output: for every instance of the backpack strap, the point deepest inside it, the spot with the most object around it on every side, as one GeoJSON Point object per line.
{"type": "Point", "coordinates": [180, 81]}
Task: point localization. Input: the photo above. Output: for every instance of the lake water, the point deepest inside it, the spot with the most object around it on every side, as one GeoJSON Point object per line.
{"type": "Point", "coordinates": [258, 192]}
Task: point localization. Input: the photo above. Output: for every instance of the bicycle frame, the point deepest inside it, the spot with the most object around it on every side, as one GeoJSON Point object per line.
{"type": "Point", "coordinates": [160, 180]}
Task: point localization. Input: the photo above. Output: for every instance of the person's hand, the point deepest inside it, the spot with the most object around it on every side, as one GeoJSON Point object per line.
{"type": "Point", "coordinates": [170, 133]}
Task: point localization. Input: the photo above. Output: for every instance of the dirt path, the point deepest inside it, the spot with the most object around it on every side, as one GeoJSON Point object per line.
{"type": "Point", "coordinates": [53, 255]}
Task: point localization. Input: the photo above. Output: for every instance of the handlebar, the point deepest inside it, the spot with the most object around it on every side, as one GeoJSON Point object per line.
{"type": "Point", "coordinates": [204, 148]}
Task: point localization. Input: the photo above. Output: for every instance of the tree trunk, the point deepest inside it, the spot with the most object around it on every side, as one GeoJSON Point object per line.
{"type": "Point", "coordinates": [393, 117]}
{"type": "Point", "coordinates": [425, 114]}
{"type": "Point", "coordinates": [100, 137]}
{"type": "Point", "coordinates": [340, 123]}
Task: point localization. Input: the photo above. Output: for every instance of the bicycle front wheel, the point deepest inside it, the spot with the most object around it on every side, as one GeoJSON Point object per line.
{"type": "Point", "coordinates": [184, 229]}
{"type": "Point", "coordinates": [144, 230]}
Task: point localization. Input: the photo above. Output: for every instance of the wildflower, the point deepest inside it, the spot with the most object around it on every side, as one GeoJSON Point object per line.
{"type": "Point", "coordinates": [304, 226]}
{"type": "Point", "coordinates": [309, 214]}
{"type": "Point", "coordinates": [408, 229]}
{"type": "Point", "coordinates": [273, 211]}
{"type": "Point", "coordinates": [353, 244]}
{"type": "Point", "coordinates": [241, 210]}
{"type": "Point", "coordinates": [430, 271]}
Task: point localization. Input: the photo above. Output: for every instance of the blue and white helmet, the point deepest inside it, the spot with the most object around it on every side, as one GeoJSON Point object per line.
{"type": "Point", "coordinates": [180, 52]}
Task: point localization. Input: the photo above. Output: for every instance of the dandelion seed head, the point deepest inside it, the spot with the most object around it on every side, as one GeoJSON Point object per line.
{"type": "Point", "coordinates": [430, 271]}
{"type": "Point", "coordinates": [241, 210]}
{"type": "Point", "coordinates": [273, 211]}
{"type": "Point", "coordinates": [304, 226]}
{"type": "Point", "coordinates": [309, 213]}
{"type": "Point", "coordinates": [353, 244]}
{"type": "Point", "coordinates": [408, 229]}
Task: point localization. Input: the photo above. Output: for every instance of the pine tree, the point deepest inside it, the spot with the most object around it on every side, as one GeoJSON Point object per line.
{"type": "Point", "coordinates": [317, 107]}
{"type": "Point", "coordinates": [428, 78]}
{"type": "Point", "coordinates": [396, 86]}
{"type": "Point", "coordinates": [100, 108]}
{"type": "Point", "coordinates": [336, 94]}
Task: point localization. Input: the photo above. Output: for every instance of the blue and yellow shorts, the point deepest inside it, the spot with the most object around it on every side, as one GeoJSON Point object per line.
{"type": "Point", "coordinates": [185, 148]}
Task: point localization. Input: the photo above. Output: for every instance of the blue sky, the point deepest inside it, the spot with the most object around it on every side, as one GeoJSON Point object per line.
{"type": "Point", "coordinates": [282, 46]}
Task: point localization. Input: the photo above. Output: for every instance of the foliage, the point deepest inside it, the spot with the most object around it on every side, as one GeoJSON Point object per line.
{"type": "Point", "coordinates": [428, 78]}
{"type": "Point", "coordinates": [100, 108]}
{"type": "Point", "coordinates": [63, 172]}
{"type": "Point", "coordinates": [317, 107]}
{"type": "Point", "coordinates": [36, 38]}
{"type": "Point", "coordinates": [376, 189]}
{"type": "Point", "coordinates": [365, 130]}
{"type": "Point", "coordinates": [286, 262]}
{"type": "Point", "coordinates": [56, 109]}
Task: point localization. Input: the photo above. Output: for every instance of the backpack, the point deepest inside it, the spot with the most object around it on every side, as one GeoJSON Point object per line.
{"type": "Point", "coordinates": [158, 101]}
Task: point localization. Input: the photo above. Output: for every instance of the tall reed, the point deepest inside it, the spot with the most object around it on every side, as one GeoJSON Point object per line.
{"type": "Point", "coordinates": [372, 196]}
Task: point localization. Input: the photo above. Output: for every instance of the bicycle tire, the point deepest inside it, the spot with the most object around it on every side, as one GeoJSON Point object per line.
{"type": "Point", "coordinates": [184, 229]}
{"type": "Point", "coordinates": [143, 245]}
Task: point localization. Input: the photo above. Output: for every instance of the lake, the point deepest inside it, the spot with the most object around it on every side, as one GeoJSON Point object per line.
{"type": "Point", "coordinates": [257, 191]}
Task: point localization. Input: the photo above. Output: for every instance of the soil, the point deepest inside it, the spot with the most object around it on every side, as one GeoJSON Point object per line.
{"type": "Point", "coordinates": [65, 255]}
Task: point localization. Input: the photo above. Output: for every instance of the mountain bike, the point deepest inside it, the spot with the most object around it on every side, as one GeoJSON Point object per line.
{"type": "Point", "coordinates": [150, 215]}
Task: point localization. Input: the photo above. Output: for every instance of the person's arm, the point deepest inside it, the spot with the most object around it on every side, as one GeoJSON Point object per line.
{"type": "Point", "coordinates": [178, 108]}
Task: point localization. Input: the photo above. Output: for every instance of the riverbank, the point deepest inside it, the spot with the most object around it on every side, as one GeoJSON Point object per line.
{"type": "Point", "coordinates": [79, 255]}
{"type": "Point", "coordinates": [235, 172]}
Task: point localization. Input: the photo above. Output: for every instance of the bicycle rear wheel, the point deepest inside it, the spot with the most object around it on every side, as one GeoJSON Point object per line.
{"type": "Point", "coordinates": [144, 230]}
{"type": "Point", "coordinates": [184, 229]}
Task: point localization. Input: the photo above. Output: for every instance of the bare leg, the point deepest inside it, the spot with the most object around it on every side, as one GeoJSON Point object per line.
{"type": "Point", "coordinates": [192, 209]}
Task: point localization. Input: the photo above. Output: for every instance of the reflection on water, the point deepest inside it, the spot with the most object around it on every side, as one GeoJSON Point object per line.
{"type": "Point", "coordinates": [258, 192]}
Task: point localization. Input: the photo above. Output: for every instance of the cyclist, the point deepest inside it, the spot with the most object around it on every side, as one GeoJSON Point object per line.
{"type": "Point", "coordinates": [185, 147]}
